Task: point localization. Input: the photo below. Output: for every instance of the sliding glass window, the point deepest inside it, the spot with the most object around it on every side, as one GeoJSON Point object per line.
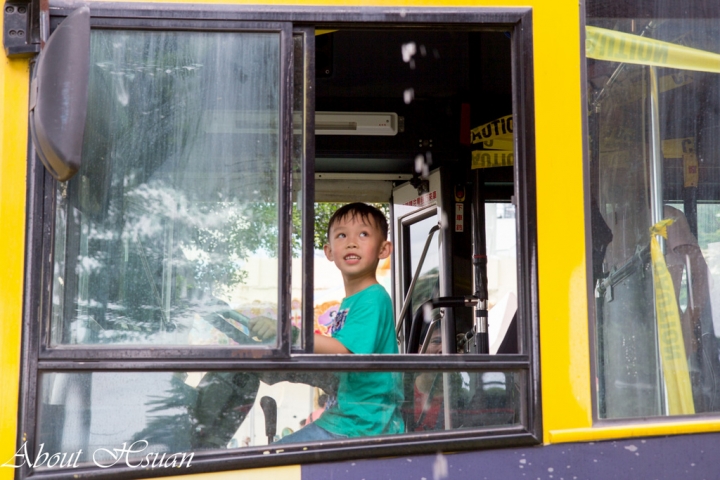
{"type": "Point", "coordinates": [653, 86]}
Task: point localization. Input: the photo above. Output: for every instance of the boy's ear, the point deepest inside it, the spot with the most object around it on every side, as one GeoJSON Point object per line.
{"type": "Point", "coordinates": [385, 250]}
{"type": "Point", "coordinates": [328, 252]}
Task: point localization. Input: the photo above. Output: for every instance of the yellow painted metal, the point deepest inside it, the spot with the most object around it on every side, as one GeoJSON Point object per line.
{"type": "Point", "coordinates": [14, 77]}
{"type": "Point", "coordinates": [276, 473]}
{"type": "Point", "coordinates": [635, 429]}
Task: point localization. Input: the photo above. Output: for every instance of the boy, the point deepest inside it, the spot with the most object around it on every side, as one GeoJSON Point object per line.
{"type": "Point", "coordinates": [366, 403]}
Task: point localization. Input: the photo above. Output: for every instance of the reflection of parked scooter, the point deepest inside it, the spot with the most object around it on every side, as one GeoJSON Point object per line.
{"type": "Point", "coordinates": [205, 414]}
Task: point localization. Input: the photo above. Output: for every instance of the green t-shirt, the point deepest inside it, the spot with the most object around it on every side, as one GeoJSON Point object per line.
{"type": "Point", "coordinates": [366, 403]}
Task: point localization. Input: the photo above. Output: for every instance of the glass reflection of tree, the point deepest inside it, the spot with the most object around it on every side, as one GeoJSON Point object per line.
{"type": "Point", "coordinates": [171, 210]}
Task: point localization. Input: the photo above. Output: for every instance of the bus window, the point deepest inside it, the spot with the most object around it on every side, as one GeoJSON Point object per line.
{"type": "Point", "coordinates": [654, 200]}
{"type": "Point", "coordinates": [179, 413]}
{"type": "Point", "coordinates": [196, 210]}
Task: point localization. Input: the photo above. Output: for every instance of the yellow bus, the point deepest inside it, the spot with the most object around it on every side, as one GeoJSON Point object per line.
{"type": "Point", "coordinates": [550, 172]}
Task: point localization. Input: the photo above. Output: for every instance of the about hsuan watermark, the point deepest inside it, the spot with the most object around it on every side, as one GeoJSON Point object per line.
{"type": "Point", "coordinates": [132, 456]}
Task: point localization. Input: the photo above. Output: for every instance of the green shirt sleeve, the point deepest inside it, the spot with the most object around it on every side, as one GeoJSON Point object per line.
{"type": "Point", "coordinates": [359, 333]}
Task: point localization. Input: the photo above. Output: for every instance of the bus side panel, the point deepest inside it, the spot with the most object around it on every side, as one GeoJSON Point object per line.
{"type": "Point", "coordinates": [565, 365]}
{"type": "Point", "coordinates": [276, 473]}
{"type": "Point", "coordinates": [681, 456]}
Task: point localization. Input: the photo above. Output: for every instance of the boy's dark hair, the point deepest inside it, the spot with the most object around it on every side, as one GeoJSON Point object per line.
{"type": "Point", "coordinates": [362, 210]}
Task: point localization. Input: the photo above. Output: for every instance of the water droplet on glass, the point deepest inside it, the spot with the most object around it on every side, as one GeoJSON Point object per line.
{"type": "Point", "coordinates": [419, 163]}
{"type": "Point", "coordinates": [408, 50]}
{"type": "Point", "coordinates": [408, 95]}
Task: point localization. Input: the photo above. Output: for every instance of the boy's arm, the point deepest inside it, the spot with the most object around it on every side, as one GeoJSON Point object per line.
{"type": "Point", "coordinates": [325, 344]}
{"type": "Point", "coordinates": [266, 328]}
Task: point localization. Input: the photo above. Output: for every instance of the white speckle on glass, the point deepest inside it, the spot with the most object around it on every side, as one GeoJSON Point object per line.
{"type": "Point", "coordinates": [440, 467]}
{"type": "Point", "coordinates": [408, 50]}
{"type": "Point", "coordinates": [408, 95]}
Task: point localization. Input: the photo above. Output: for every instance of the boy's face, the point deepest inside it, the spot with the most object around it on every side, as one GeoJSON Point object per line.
{"type": "Point", "coordinates": [356, 245]}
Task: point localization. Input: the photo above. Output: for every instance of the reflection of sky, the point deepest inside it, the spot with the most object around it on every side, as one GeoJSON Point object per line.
{"type": "Point", "coordinates": [499, 231]}
{"type": "Point", "coordinates": [418, 236]}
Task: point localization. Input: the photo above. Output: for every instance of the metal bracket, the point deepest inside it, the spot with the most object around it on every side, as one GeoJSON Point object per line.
{"type": "Point", "coordinates": [20, 35]}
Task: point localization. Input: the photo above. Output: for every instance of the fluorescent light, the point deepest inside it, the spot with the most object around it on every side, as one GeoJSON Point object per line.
{"type": "Point", "coordinates": [356, 123]}
{"type": "Point", "coordinates": [326, 123]}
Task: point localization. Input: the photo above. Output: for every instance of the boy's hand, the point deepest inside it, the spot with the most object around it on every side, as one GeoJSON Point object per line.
{"type": "Point", "coordinates": [263, 327]}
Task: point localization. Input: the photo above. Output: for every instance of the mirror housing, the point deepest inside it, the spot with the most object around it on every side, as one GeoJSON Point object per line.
{"type": "Point", "coordinates": [59, 96]}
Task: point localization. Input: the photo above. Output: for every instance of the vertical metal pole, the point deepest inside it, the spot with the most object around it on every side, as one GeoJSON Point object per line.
{"type": "Point", "coordinates": [167, 275]}
{"type": "Point", "coordinates": [447, 397]}
{"type": "Point", "coordinates": [656, 156]}
{"type": "Point", "coordinates": [656, 201]}
{"type": "Point", "coordinates": [481, 341]}
{"type": "Point", "coordinates": [690, 198]}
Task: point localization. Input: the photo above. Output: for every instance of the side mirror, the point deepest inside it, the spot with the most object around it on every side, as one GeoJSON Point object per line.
{"type": "Point", "coordinates": [59, 96]}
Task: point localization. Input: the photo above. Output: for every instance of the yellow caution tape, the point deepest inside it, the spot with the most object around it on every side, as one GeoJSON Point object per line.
{"type": "Point", "coordinates": [614, 46]}
{"type": "Point", "coordinates": [502, 128]}
{"type": "Point", "coordinates": [492, 158]}
{"type": "Point", "coordinates": [499, 144]}
{"type": "Point", "coordinates": [670, 336]}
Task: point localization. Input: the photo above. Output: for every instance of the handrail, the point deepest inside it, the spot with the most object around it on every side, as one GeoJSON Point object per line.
{"type": "Point", "coordinates": [630, 266]}
{"type": "Point", "coordinates": [413, 342]}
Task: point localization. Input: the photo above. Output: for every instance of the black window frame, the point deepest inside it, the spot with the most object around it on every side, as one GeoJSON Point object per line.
{"type": "Point", "coordinates": [37, 359]}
